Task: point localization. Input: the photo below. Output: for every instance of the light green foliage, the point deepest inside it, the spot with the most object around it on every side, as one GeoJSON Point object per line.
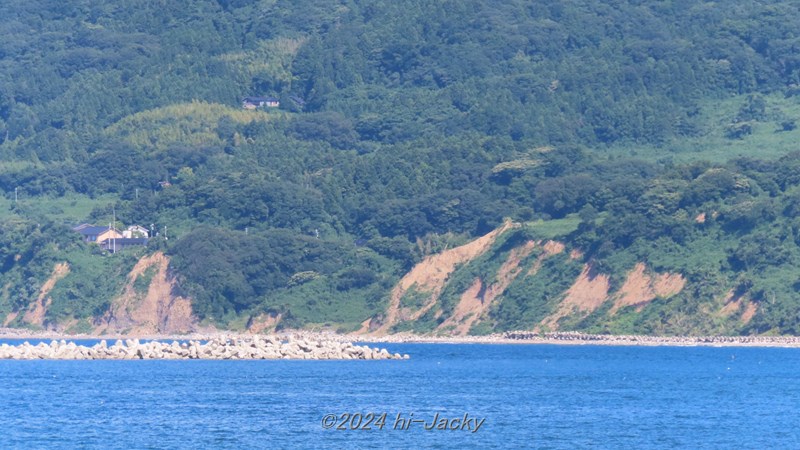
{"type": "Point", "coordinates": [768, 138]}
{"type": "Point", "coordinates": [142, 282]}
{"type": "Point", "coordinates": [187, 124]}
{"type": "Point", "coordinates": [531, 298]}
{"type": "Point", "coordinates": [269, 62]}
{"type": "Point", "coordinates": [95, 279]}
{"type": "Point", "coordinates": [414, 299]}
{"type": "Point", "coordinates": [70, 209]}
{"type": "Point", "coordinates": [552, 229]}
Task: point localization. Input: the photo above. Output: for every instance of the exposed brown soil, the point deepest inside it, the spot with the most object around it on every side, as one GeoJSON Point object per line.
{"type": "Point", "coordinates": [472, 304]}
{"type": "Point", "coordinates": [365, 327]}
{"type": "Point", "coordinates": [636, 290]}
{"type": "Point", "coordinates": [37, 311]}
{"type": "Point", "coordinates": [430, 275]}
{"type": "Point", "coordinates": [668, 284]}
{"type": "Point", "coordinates": [475, 302]}
{"type": "Point", "coordinates": [158, 311]}
{"type": "Point", "coordinates": [590, 291]}
{"type": "Point", "coordinates": [737, 304]}
{"type": "Point", "coordinates": [732, 305]}
{"type": "Point", "coordinates": [550, 248]}
{"type": "Point", "coordinates": [749, 311]}
{"type": "Point", "coordinates": [640, 288]}
{"type": "Point", "coordinates": [553, 247]}
{"type": "Point", "coordinates": [586, 294]}
{"type": "Point", "coordinates": [263, 323]}
{"type": "Point", "coordinates": [10, 318]}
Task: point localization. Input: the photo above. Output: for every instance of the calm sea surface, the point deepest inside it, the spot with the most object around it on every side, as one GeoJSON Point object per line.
{"type": "Point", "coordinates": [531, 396]}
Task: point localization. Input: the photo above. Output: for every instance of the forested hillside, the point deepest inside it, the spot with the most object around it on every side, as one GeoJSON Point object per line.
{"type": "Point", "coordinates": [635, 134]}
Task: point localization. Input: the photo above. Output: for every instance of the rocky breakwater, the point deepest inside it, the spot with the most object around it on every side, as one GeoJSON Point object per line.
{"type": "Point", "coordinates": [577, 337]}
{"type": "Point", "coordinates": [217, 348]}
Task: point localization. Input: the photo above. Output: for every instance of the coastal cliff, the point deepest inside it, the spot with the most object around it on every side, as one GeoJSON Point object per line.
{"type": "Point", "coordinates": [147, 302]}
{"type": "Point", "coordinates": [510, 279]}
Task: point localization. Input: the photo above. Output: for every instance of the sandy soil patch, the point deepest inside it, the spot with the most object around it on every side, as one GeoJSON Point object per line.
{"type": "Point", "coordinates": [550, 248]}
{"type": "Point", "coordinates": [10, 318]}
{"type": "Point", "coordinates": [430, 275]}
{"type": "Point", "coordinates": [263, 322]}
{"type": "Point", "coordinates": [640, 288]}
{"type": "Point", "coordinates": [553, 247]}
{"type": "Point", "coordinates": [749, 312]}
{"type": "Point", "coordinates": [637, 289]}
{"type": "Point", "coordinates": [668, 284]}
{"type": "Point", "coordinates": [35, 315]}
{"type": "Point", "coordinates": [158, 311]}
{"type": "Point", "coordinates": [739, 305]}
{"type": "Point", "coordinates": [586, 294]}
{"type": "Point", "coordinates": [732, 305]}
{"type": "Point", "coordinates": [475, 302]}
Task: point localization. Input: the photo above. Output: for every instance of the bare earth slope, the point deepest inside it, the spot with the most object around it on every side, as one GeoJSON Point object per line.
{"type": "Point", "coordinates": [589, 291]}
{"type": "Point", "coordinates": [429, 277]}
{"type": "Point", "coordinates": [158, 310]}
{"type": "Point", "coordinates": [38, 310]}
{"type": "Point", "coordinates": [418, 291]}
{"type": "Point", "coordinates": [475, 302]}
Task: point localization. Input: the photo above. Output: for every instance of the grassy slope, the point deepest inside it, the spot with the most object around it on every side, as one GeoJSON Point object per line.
{"type": "Point", "coordinates": [183, 124]}
{"type": "Point", "coordinates": [70, 209]}
{"type": "Point", "coordinates": [711, 144]}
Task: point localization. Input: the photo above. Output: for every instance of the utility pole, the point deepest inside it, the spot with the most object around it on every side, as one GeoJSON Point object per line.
{"type": "Point", "coordinates": [114, 231]}
{"type": "Point", "coordinates": [165, 233]}
{"type": "Point", "coordinates": [137, 193]}
{"type": "Point", "coordinates": [15, 195]}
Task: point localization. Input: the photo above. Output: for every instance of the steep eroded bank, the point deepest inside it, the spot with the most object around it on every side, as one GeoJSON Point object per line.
{"type": "Point", "coordinates": [150, 306]}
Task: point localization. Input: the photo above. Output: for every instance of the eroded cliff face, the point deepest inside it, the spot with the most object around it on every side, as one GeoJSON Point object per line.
{"type": "Point", "coordinates": [150, 306]}
{"type": "Point", "coordinates": [475, 280]}
{"type": "Point", "coordinates": [591, 290]}
{"type": "Point", "coordinates": [428, 278]}
{"type": "Point", "coordinates": [590, 294]}
{"type": "Point", "coordinates": [587, 293]}
{"type": "Point", "coordinates": [37, 311]}
{"type": "Point", "coordinates": [473, 307]}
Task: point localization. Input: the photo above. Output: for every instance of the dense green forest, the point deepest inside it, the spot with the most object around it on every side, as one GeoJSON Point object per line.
{"type": "Point", "coordinates": [404, 128]}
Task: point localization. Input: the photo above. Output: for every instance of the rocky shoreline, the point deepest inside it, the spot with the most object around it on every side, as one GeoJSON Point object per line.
{"type": "Point", "coordinates": [709, 341]}
{"type": "Point", "coordinates": [509, 337]}
{"type": "Point", "coordinates": [253, 347]}
{"type": "Point", "coordinates": [577, 338]}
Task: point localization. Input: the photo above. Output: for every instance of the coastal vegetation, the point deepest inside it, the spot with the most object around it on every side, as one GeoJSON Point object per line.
{"type": "Point", "coordinates": [644, 137]}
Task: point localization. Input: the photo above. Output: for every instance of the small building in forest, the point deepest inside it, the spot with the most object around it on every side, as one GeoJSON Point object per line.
{"type": "Point", "coordinates": [136, 231]}
{"type": "Point", "coordinates": [260, 102]}
{"type": "Point", "coordinates": [97, 234]}
{"type": "Point", "coordinates": [111, 239]}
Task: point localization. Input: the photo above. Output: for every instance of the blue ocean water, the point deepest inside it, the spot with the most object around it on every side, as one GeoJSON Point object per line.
{"type": "Point", "coordinates": [531, 396]}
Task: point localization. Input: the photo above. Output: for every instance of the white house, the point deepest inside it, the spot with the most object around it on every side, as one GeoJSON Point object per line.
{"type": "Point", "coordinates": [136, 231]}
